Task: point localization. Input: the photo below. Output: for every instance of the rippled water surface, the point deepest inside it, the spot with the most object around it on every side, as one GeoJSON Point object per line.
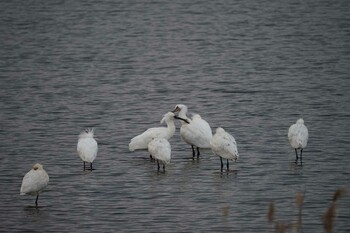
{"type": "Point", "coordinates": [252, 67]}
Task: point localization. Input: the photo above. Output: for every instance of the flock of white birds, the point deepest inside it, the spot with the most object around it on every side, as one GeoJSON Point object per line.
{"type": "Point", "coordinates": [195, 131]}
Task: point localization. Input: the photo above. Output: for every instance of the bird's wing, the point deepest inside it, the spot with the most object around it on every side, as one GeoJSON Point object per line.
{"type": "Point", "coordinates": [160, 149]}
{"type": "Point", "coordinates": [197, 132]}
{"type": "Point", "coordinates": [229, 144]}
{"type": "Point", "coordinates": [87, 149]}
{"type": "Point", "coordinates": [303, 135]}
{"type": "Point", "coordinates": [34, 181]}
{"type": "Point", "coordinates": [298, 135]}
{"type": "Point", "coordinates": [141, 141]}
{"type": "Point", "coordinates": [224, 145]}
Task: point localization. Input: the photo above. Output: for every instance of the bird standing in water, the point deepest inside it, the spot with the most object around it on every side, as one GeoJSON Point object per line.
{"type": "Point", "coordinates": [34, 182]}
{"type": "Point", "coordinates": [140, 142]}
{"type": "Point", "coordinates": [195, 132]}
{"type": "Point", "coordinates": [298, 136]}
{"type": "Point", "coordinates": [160, 150]}
{"type": "Point", "coordinates": [87, 147]}
{"type": "Point", "coordinates": [224, 145]}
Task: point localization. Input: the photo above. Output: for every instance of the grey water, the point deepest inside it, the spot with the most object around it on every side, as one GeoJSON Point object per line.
{"type": "Point", "coordinates": [251, 67]}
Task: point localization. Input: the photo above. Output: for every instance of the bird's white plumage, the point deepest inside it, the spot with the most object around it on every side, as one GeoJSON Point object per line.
{"type": "Point", "coordinates": [197, 132]}
{"type": "Point", "coordinates": [160, 149]}
{"type": "Point", "coordinates": [87, 146]}
{"type": "Point", "coordinates": [298, 135]}
{"type": "Point", "coordinates": [140, 142]}
{"type": "Point", "coordinates": [34, 181]}
{"type": "Point", "coordinates": [224, 145]}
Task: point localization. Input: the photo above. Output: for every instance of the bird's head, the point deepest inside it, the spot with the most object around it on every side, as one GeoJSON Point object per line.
{"type": "Point", "coordinates": [180, 108]}
{"type": "Point", "coordinates": [300, 121]}
{"type": "Point", "coordinates": [37, 166]}
{"type": "Point", "coordinates": [167, 116]}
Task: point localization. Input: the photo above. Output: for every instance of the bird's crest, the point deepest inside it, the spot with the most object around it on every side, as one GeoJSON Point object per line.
{"type": "Point", "coordinates": [87, 133]}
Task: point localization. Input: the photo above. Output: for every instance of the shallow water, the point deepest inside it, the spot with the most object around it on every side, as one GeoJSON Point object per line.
{"type": "Point", "coordinates": [251, 67]}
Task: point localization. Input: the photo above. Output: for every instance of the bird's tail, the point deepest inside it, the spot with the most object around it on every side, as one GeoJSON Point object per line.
{"type": "Point", "coordinates": [134, 144]}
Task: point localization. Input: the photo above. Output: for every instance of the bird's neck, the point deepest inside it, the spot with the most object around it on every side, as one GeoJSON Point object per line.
{"type": "Point", "coordinates": [171, 127]}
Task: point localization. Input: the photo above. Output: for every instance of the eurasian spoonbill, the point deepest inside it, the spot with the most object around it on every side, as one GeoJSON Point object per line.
{"type": "Point", "coordinates": [298, 136]}
{"type": "Point", "coordinates": [34, 182]}
{"type": "Point", "coordinates": [87, 147]}
{"type": "Point", "coordinates": [140, 142]}
{"type": "Point", "coordinates": [224, 145]}
{"type": "Point", "coordinates": [196, 132]}
{"type": "Point", "coordinates": [160, 149]}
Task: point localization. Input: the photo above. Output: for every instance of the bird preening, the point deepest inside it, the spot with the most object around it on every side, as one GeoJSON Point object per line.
{"type": "Point", "coordinates": [194, 131]}
{"type": "Point", "coordinates": [34, 182]}
{"type": "Point", "coordinates": [298, 136]}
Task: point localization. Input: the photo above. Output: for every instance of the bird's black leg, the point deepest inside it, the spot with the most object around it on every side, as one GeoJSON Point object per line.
{"type": "Point", "coordinates": [301, 157]}
{"type": "Point", "coordinates": [158, 165]}
{"type": "Point", "coordinates": [222, 164]}
{"type": "Point", "coordinates": [163, 167]}
{"type": "Point", "coordinates": [84, 165]}
{"type": "Point", "coordinates": [36, 201]}
{"type": "Point", "coordinates": [90, 166]}
{"type": "Point", "coordinates": [296, 156]}
{"type": "Point", "coordinates": [198, 153]}
{"type": "Point", "coordinates": [193, 152]}
{"type": "Point", "coordinates": [227, 165]}
{"type": "Point", "coordinates": [151, 158]}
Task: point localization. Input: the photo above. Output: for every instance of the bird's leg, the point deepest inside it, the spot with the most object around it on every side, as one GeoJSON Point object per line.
{"type": "Point", "coordinates": [36, 201]}
{"type": "Point", "coordinates": [151, 158]}
{"type": "Point", "coordinates": [193, 152]}
{"type": "Point", "coordinates": [90, 166]}
{"type": "Point", "coordinates": [227, 165]}
{"type": "Point", "coordinates": [198, 153]}
{"type": "Point", "coordinates": [158, 165]}
{"type": "Point", "coordinates": [163, 167]}
{"type": "Point", "coordinates": [301, 157]}
{"type": "Point", "coordinates": [296, 156]}
{"type": "Point", "coordinates": [84, 165]}
{"type": "Point", "coordinates": [222, 164]}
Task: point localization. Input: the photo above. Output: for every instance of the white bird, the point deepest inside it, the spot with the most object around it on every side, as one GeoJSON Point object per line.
{"type": "Point", "coordinates": [197, 132]}
{"type": "Point", "coordinates": [140, 142]}
{"type": "Point", "coordinates": [34, 182]}
{"type": "Point", "coordinates": [87, 147]}
{"type": "Point", "coordinates": [160, 149]}
{"type": "Point", "coordinates": [224, 145]}
{"type": "Point", "coordinates": [298, 136]}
